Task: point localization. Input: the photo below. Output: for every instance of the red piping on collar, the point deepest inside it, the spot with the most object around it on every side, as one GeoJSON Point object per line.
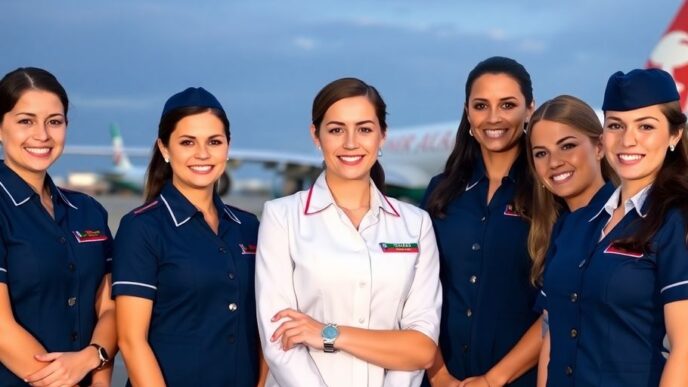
{"type": "Point", "coordinates": [308, 203]}
{"type": "Point", "coordinates": [392, 207]}
{"type": "Point", "coordinates": [147, 206]}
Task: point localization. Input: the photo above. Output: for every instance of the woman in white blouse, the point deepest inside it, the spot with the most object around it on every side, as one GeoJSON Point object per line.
{"type": "Point", "coordinates": [347, 284]}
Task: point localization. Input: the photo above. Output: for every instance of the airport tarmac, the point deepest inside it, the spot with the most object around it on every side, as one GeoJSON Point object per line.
{"type": "Point", "coordinates": [119, 205]}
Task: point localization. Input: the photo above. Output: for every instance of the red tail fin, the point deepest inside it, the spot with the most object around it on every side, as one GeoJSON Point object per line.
{"type": "Point", "coordinates": [671, 53]}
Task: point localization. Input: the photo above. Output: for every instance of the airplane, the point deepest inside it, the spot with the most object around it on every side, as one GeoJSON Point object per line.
{"type": "Point", "coordinates": [411, 156]}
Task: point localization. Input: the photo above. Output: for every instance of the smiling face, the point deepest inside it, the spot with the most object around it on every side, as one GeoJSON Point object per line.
{"type": "Point", "coordinates": [33, 133]}
{"type": "Point", "coordinates": [635, 144]}
{"type": "Point", "coordinates": [566, 161]}
{"type": "Point", "coordinates": [350, 137]}
{"type": "Point", "coordinates": [197, 152]}
{"type": "Point", "coordinates": [497, 111]}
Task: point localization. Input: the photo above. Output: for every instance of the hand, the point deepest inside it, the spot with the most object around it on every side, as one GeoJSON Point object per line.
{"type": "Point", "coordinates": [445, 380]}
{"type": "Point", "coordinates": [66, 368]}
{"type": "Point", "coordinates": [478, 381]}
{"type": "Point", "coordinates": [299, 329]}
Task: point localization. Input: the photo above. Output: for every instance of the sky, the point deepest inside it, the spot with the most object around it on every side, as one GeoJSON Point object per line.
{"type": "Point", "coordinates": [266, 60]}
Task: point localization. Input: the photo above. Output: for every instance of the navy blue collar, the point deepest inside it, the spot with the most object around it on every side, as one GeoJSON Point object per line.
{"type": "Point", "coordinates": [19, 192]}
{"type": "Point", "coordinates": [181, 209]}
{"type": "Point", "coordinates": [479, 173]}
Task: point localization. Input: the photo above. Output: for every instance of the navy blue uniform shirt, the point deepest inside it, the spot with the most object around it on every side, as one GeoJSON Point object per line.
{"type": "Point", "coordinates": [203, 327]}
{"type": "Point", "coordinates": [605, 304]}
{"type": "Point", "coordinates": [52, 267]}
{"type": "Point", "coordinates": [484, 268]}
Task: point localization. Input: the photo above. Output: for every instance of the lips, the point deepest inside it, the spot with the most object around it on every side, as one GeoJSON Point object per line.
{"type": "Point", "coordinates": [42, 152]}
{"type": "Point", "coordinates": [201, 169]}
{"type": "Point", "coordinates": [495, 133]}
{"type": "Point", "coordinates": [562, 177]}
{"type": "Point", "coordinates": [629, 158]}
{"type": "Point", "coordinates": [350, 160]}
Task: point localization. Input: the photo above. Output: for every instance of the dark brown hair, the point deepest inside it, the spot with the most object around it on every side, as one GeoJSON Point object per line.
{"type": "Point", "coordinates": [459, 166]}
{"type": "Point", "coordinates": [159, 172]}
{"type": "Point", "coordinates": [16, 82]}
{"type": "Point", "coordinates": [348, 88]}
{"type": "Point", "coordinates": [670, 188]}
{"type": "Point", "coordinates": [545, 206]}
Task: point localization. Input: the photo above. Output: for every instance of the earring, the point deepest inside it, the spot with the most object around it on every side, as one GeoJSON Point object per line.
{"type": "Point", "coordinates": [318, 147]}
{"type": "Point", "coordinates": [672, 147]}
{"type": "Point", "coordinates": [379, 152]}
{"type": "Point", "coordinates": [167, 160]}
{"type": "Point", "coordinates": [470, 132]}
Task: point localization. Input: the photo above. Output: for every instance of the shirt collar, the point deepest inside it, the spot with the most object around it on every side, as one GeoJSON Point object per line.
{"type": "Point", "coordinates": [634, 203]}
{"type": "Point", "coordinates": [19, 191]}
{"type": "Point", "coordinates": [480, 173]}
{"type": "Point", "coordinates": [181, 210]}
{"type": "Point", "coordinates": [319, 198]}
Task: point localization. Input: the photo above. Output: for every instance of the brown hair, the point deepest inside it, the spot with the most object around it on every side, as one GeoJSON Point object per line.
{"type": "Point", "coordinates": [670, 188]}
{"type": "Point", "coordinates": [459, 166]}
{"type": "Point", "coordinates": [159, 171]}
{"type": "Point", "coordinates": [348, 88]}
{"type": "Point", "coordinates": [16, 82]}
{"type": "Point", "coordinates": [546, 207]}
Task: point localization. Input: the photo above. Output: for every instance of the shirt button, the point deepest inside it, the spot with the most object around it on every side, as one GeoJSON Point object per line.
{"type": "Point", "coordinates": [231, 276]}
{"type": "Point", "coordinates": [71, 301]}
{"type": "Point", "coordinates": [62, 240]}
{"type": "Point", "coordinates": [222, 250]}
{"type": "Point", "coordinates": [473, 279]}
{"type": "Point", "coordinates": [361, 320]}
{"type": "Point", "coordinates": [71, 266]}
{"type": "Point", "coordinates": [574, 333]}
{"type": "Point", "coordinates": [74, 336]}
{"type": "Point", "coordinates": [475, 247]}
{"type": "Point", "coordinates": [233, 307]}
{"type": "Point", "coordinates": [574, 297]}
{"type": "Point", "coordinates": [362, 284]}
{"type": "Point", "coordinates": [469, 312]}
{"type": "Point", "coordinates": [568, 371]}
{"type": "Point", "coordinates": [483, 218]}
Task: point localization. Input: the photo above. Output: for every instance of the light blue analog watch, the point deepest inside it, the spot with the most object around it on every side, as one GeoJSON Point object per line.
{"type": "Point", "coordinates": [329, 334]}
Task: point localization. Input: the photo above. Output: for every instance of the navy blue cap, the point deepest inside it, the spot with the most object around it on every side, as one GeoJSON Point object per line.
{"type": "Point", "coordinates": [193, 96]}
{"type": "Point", "coordinates": [639, 88]}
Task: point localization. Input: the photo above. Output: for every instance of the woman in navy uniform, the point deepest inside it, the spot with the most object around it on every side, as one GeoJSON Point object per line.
{"type": "Point", "coordinates": [56, 316]}
{"type": "Point", "coordinates": [183, 271]}
{"type": "Point", "coordinates": [489, 334]}
{"type": "Point", "coordinates": [565, 154]}
{"type": "Point", "coordinates": [617, 294]}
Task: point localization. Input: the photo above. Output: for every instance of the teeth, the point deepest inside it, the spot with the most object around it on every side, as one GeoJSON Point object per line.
{"type": "Point", "coordinates": [201, 168]}
{"type": "Point", "coordinates": [495, 133]}
{"type": "Point", "coordinates": [350, 159]}
{"type": "Point", "coordinates": [561, 176]}
{"type": "Point", "coordinates": [633, 157]}
{"type": "Point", "coordinates": [38, 151]}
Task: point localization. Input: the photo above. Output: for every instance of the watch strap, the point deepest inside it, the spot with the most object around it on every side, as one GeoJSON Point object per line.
{"type": "Point", "coordinates": [102, 355]}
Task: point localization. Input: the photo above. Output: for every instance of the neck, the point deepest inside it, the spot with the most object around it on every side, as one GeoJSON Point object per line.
{"type": "Point", "coordinates": [349, 194]}
{"type": "Point", "coordinates": [630, 188]}
{"type": "Point", "coordinates": [584, 198]}
{"type": "Point", "coordinates": [498, 164]}
{"type": "Point", "coordinates": [202, 199]}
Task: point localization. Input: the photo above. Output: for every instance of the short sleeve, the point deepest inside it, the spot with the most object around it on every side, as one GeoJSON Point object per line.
{"type": "Point", "coordinates": [672, 259]}
{"type": "Point", "coordinates": [423, 306]}
{"type": "Point", "coordinates": [134, 264]}
{"type": "Point", "coordinates": [108, 244]}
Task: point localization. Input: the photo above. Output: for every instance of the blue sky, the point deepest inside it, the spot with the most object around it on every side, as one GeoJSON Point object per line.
{"type": "Point", "coordinates": [266, 60]}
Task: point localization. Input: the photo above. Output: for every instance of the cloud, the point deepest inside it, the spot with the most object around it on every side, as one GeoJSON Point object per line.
{"type": "Point", "coordinates": [304, 43]}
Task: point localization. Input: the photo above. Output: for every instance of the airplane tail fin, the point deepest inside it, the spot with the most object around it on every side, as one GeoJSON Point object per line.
{"type": "Point", "coordinates": [119, 157]}
{"type": "Point", "coordinates": [671, 53]}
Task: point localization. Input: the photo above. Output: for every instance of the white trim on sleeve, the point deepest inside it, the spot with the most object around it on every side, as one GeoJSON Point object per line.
{"type": "Point", "coordinates": [134, 283]}
{"type": "Point", "coordinates": [673, 286]}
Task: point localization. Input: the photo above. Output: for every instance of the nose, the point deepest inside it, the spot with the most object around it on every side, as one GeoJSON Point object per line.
{"type": "Point", "coordinates": [555, 160]}
{"type": "Point", "coordinates": [494, 116]}
{"type": "Point", "coordinates": [350, 140]}
{"type": "Point", "coordinates": [41, 132]}
{"type": "Point", "coordinates": [629, 137]}
{"type": "Point", "coordinates": [202, 152]}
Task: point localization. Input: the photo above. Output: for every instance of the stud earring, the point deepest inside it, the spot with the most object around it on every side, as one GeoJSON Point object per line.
{"type": "Point", "coordinates": [167, 160]}
{"type": "Point", "coordinates": [379, 152]}
{"type": "Point", "coordinates": [470, 132]}
{"type": "Point", "coordinates": [672, 147]}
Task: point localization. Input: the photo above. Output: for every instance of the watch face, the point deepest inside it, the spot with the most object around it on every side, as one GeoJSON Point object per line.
{"type": "Point", "coordinates": [330, 332]}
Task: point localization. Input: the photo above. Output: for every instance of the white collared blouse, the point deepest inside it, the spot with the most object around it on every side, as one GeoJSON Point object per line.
{"type": "Point", "coordinates": [383, 276]}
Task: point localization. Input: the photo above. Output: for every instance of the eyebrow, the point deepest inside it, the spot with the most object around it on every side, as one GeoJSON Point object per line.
{"type": "Point", "coordinates": [636, 120]}
{"type": "Point", "coordinates": [566, 138]}
{"type": "Point", "coordinates": [343, 124]}
{"type": "Point", "coordinates": [35, 115]}
{"type": "Point", "coordinates": [501, 99]}
{"type": "Point", "coordinates": [194, 137]}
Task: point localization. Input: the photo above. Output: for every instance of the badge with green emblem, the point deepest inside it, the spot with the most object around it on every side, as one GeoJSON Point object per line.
{"type": "Point", "coordinates": [399, 247]}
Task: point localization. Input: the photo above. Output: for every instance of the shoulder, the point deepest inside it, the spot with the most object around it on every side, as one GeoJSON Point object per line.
{"type": "Point", "coordinates": [287, 203]}
{"type": "Point", "coordinates": [144, 216]}
{"type": "Point", "coordinates": [244, 217]}
{"type": "Point", "coordinates": [408, 212]}
{"type": "Point", "coordinates": [674, 224]}
{"type": "Point", "coordinates": [437, 179]}
{"type": "Point", "coordinates": [80, 199]}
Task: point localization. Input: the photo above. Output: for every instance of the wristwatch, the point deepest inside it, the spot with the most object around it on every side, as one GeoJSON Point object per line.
{"type": "Point", "coordinates": [329, 334]}
{"type": "Point", "coordinates": [102, 355]}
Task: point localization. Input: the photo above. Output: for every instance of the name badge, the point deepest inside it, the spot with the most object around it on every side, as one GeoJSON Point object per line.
{"type": "Point", "coordinates": [87, 236]}
{"type": "Point", "coordinates": [247, 249]}
{"type": "Point", "coordinates": [614, 249]}
{"type": "Point", "coordinates": [510, 211]}
{"type": "Point", "coordinates": [399, 247]}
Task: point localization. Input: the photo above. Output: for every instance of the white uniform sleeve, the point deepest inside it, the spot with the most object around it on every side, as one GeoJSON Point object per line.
{"type": "Point", "coordinates": [423, 306]}
{"type": "Point", "coordinates": [274, 292]}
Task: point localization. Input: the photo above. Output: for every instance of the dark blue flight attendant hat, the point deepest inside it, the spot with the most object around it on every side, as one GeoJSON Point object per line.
{"type": "Point", "coordinates": [639, 88]}
{"type": "Point", "coordinates": [193, 96]}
